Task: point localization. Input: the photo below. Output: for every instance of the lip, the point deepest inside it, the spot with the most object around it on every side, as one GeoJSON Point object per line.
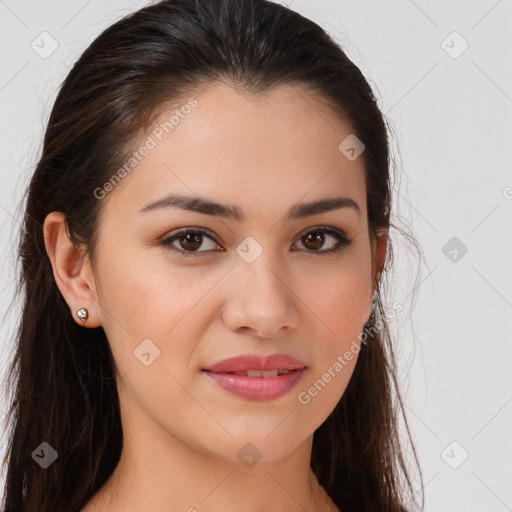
{"type": "Point", "coordinates": [256, 388]}
{"type": "Point", "coordinates": [256, 362]}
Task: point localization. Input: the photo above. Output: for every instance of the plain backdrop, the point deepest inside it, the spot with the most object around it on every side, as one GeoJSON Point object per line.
{"type": "Point", "coordinates": [442, 75]}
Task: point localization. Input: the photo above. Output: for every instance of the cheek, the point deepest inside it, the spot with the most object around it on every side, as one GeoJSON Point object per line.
{"type": "Point", "coordinates": [150, 319]}
{"type": "Point", "coordinates": [343, 313]}
{"type": "Point", "coordinates": [340, 304]}
{"type": "Point", "coordinates": [340, 296]}
{"type": "Point", "coordinates": [146, 300]}
{"type": "Point", "coordinates": [146, 295]}
{"type": "Point", "coordinates": [346, 315]}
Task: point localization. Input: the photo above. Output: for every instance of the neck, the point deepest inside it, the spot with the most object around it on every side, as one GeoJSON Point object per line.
{"type": "Point", "coordinates": [159, 473]}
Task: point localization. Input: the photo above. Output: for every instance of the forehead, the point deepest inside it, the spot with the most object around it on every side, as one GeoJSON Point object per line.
{"type": "Point", "coordinates": [238, 147]}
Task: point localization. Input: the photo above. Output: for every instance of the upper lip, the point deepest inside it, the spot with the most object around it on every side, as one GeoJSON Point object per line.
{"type": "Point", "coordinates": [256, 362]}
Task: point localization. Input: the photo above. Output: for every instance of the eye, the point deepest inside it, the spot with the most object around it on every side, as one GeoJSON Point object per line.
{"type": "Point", "coordinates": [187, 241]}
{"type": "Point", "coordinates": [315, 239]}
{"type": "Point", "coordinates": [190, 240]}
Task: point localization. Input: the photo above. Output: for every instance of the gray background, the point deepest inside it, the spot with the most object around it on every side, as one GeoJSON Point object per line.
{"type": "Point", "coordinates": [450, 113]}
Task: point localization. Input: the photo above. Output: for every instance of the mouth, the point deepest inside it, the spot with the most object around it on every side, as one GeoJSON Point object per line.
{"type": "Point", "coordinates": [257, 378]}
{"type": "Point", "coordinates": [257, 388]}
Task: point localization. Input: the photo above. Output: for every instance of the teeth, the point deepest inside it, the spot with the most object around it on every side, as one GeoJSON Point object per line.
{"type": "Point", "coordinates": [254, 373]}
{"type": "Point", "coordinates": [263, 373]}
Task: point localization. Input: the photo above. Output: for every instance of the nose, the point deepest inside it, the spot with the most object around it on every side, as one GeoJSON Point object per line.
{"type": "Point", "coordinates": [261, 300]}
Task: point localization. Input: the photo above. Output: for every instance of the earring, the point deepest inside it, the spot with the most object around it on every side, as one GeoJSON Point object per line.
{"type": "Point", "coordinates": [82, 314]}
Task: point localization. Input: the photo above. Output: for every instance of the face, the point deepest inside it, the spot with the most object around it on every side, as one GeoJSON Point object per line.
{"type": "Point", "coordinates": [181, 290]}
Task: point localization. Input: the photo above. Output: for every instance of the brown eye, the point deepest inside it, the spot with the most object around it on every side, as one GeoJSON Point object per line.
{"type": "Point", "coordinates": [316, 239]}
{"type": "Point", "coordinates": [313, 240]}
{"type": "Point", "coordinates": [190, 242]}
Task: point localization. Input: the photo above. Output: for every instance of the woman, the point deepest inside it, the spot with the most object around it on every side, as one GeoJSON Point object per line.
{"type": "Point", "coordinates": [203, 252]}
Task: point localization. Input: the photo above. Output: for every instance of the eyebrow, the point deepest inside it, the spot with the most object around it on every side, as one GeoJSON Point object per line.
{"type": "Point", "coordinates": [229, 211]}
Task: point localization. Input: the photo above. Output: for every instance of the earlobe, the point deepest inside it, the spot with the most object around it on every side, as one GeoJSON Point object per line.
{"type": "Point", "coordinates": [68, 264]}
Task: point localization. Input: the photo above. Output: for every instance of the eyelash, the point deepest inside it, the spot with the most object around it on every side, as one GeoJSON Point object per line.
{"type": "Point", "coordinates": [343, 241]}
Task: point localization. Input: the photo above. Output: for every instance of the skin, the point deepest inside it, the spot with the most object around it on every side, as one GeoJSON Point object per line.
{"type": "Point", "coordinates": [182, 431]}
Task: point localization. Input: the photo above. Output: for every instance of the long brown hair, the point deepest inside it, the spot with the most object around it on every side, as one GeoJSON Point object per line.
{"type": "Point", "coordinates": [62, 375]}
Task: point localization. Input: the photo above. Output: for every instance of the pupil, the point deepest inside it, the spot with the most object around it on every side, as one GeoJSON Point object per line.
{"type": "Point", "coordinates": [191, 238]}
{"type": "Point", "coordinates": [317, 239]}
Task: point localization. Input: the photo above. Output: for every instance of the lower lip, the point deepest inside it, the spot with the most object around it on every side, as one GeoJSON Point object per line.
{"type": "Point", "coordinates": [257, 389]}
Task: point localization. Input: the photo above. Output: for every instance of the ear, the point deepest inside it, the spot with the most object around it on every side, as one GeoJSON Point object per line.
{"type": "Point", "coordinates": [71, 269]}
{"type": "Point", "coordinates": [379, 257]}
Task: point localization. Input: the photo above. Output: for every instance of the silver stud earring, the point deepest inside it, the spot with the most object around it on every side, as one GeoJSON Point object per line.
{"type": "Point", "coordinates": [82, 314]}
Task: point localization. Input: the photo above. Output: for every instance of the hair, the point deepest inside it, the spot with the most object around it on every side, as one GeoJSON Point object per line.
{"type": "Point", "coordinates": [62, 378]}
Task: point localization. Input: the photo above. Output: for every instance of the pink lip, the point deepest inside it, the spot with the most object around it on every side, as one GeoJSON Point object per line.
{"type": "Point", "coordinates": [256, 388]}
{"type": "Point", "coordinates": [256, 362]}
